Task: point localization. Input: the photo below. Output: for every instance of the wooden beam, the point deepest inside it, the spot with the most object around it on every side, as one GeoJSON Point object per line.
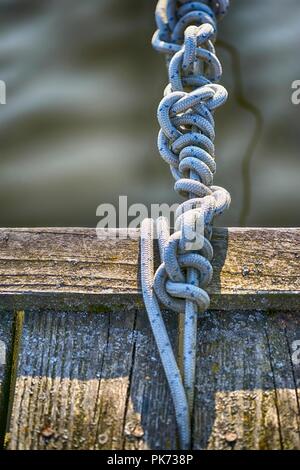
{"type": "Point", "coordinates": [54, 268]}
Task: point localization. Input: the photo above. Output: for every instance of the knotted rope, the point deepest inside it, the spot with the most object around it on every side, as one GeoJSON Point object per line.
{"type": "Point", "coordinates": [186, 34]}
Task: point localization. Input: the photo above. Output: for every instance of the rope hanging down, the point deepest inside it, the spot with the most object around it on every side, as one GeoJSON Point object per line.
{"type": "Point", "coordinates": [186, 34]}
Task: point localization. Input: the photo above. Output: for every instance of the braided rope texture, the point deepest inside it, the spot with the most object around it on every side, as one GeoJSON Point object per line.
{"type": "Point", "coordinates": [186, 34]}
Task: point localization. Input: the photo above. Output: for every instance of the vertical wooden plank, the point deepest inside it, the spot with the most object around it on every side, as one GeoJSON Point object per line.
{"type": "Point", "coordinates": [150, 422]}
{"type": "Point", "coordinates": [284, 381]}
{"type": "Point", "coordinates": [292, 332]}
{"type": "Point", "coordinates": [6, 336]}
{"type": "Point", "coordinates": [90, 381]}
{"type": "Point", "coordinates": [235, 405]}
{"type": "Point", "coordinates": [112, 400]}
{"type": "Point", "coordinates": [57, 380]}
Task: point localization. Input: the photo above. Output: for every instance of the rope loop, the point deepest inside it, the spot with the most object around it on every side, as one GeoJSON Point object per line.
{"type": "Point", "coordinates": [186, 139]}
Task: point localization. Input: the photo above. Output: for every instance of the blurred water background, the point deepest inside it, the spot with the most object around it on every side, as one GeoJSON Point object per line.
{"type": "Point", "coordinates": [83, 84]}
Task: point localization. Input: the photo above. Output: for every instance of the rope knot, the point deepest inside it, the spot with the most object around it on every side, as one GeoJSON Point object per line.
{"type": "Point", "coordinates": [192, 233]}
{"type": "Point", "coordinates": [170, 281]}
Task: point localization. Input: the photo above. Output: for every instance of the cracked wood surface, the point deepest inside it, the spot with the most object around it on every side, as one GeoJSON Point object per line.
{"type": "Point", "coordinates": [54, 268]}
{"type": "Point", "coordinates": [87, 381]}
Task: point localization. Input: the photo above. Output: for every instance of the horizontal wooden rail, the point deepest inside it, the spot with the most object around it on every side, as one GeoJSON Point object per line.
{"type": "Point", "coordinates": [55, 267]}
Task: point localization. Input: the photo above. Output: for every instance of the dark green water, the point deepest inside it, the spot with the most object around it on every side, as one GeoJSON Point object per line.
{"type": "Point", "coordinates": [79, 127]}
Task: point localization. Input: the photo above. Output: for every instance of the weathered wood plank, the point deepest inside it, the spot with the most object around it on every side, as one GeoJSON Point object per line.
{"type": "Point", "coordinates": [54, 268]}
{"type": "Point", "coordinates": [292, 332]}
{"type": "Point", "coordinates": [152, 406]}
{"type": "Point", "coordinates": [6, 340]}
{"type": "Point", "coordinates": [96, 382]}
{"type": "Point", "coordinates": [90, 382]}
{"type": "Point", "coordinates": [245, 393]}
{"type": "Point", "coordinates": [286, 389]}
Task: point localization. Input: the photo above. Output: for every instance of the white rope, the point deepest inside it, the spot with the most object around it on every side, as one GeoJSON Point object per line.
{"type": "Point", "coordinates": [186, 34]}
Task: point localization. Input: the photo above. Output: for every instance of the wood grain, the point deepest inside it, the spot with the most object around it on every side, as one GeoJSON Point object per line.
{"type": "Point", "coordinates": [56, 268]}
{"type": "Point", "coordinates": [246, 394]}
{"type": "Point", "coordinates": [87, 373]}
{"type": "Point", "coordinates": [95, 382]}
{"type": "Point", "coordinates": [90, 382]}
